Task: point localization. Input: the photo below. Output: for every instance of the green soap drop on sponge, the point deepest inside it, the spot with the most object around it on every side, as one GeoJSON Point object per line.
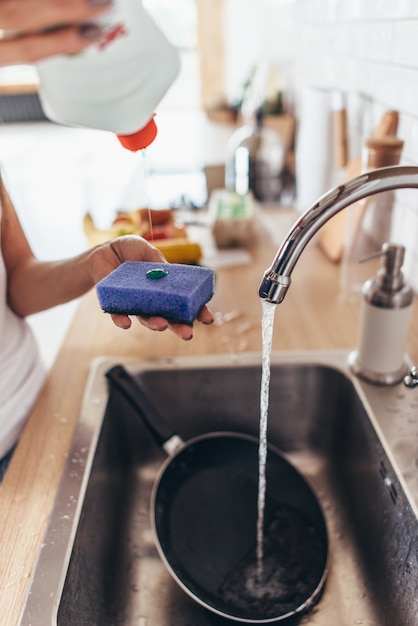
{"type": "Point", "coordinates": [174, 291]}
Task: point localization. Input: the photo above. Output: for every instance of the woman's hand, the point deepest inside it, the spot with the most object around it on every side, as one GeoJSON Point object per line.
{"type": "Point", "coordinates": [35, 285]}
{"type": "Point", "coordinates": [107, 257]}
{"type": "Point", "coordinates": [37, 29]}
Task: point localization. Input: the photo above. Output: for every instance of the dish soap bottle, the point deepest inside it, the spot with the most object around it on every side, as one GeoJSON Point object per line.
{"type": "Point", "coordinates": [386, 311]}
{"type": "Point", "coordinates": [116, 84]}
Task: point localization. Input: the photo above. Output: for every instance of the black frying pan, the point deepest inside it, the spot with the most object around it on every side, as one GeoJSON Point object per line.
{"type": "Point", "coordinates": [204, 514]}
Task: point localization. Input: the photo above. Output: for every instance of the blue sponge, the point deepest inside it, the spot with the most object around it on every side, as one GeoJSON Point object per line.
{"type": "Point", "coordinates": [174, 291]}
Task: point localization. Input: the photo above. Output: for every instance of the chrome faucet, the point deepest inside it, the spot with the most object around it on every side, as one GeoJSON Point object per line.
{"type": "Point", "coordinates": [277, 278]}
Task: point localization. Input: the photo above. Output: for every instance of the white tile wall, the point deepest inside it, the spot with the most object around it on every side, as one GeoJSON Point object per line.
{"type": "Point", "coordinates": [369, 50]}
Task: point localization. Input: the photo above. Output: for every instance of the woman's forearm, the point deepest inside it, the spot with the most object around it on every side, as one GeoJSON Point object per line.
{"type": "Point", "coordinates": [36, 285]}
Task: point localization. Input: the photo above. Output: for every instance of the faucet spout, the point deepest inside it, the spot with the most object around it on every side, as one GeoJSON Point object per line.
{"type": "Point", "coordinates": [277, 278]}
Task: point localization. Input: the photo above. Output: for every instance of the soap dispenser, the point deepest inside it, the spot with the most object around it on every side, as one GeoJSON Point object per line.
{"type": "Point", "coordinates": [385, 315]}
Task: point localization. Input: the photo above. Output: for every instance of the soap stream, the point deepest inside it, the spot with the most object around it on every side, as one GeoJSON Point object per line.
{"type": "Point", "coordinates": [267, 336]}
{"type": "Point", "coordinates": [145, 191]}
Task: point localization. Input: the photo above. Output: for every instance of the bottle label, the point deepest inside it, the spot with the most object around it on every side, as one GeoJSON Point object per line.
{"type": "Point", "coordinates": [116, 31]}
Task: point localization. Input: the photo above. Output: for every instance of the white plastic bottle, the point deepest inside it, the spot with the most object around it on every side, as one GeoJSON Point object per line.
{"type": "Point", "coordinates": [116, 84]}
{"type": "Point", "coordinates": [384, 322]}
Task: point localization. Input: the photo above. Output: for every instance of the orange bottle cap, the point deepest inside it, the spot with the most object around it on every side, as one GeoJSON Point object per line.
{"type": "Point", "coordinates": [141, 139]}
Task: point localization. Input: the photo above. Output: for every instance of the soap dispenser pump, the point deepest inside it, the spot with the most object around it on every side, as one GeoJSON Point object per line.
{"type": "Point", "coordinates": [385, 316]}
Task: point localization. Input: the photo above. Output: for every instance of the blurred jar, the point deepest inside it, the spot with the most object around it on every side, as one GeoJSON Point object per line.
{"type": "Point", "coordinates": [369, 221]}
{"type": "Point", "coordinates": [255, 160]}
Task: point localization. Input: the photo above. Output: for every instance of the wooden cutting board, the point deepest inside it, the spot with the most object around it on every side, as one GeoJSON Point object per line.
{"type": "Point", "coordinates": [331, 238]}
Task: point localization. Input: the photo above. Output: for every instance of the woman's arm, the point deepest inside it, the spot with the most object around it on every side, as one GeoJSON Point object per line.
{"type": "Point", "coordinates": [35, 285]}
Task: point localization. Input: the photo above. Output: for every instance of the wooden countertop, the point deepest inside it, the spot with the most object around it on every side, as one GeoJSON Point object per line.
{"type": "Point", "coordinates": [313, 316]}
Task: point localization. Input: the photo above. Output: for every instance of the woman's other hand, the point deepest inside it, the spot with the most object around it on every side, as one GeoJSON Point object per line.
{"type": "Point", "coordinates": [33, 30]}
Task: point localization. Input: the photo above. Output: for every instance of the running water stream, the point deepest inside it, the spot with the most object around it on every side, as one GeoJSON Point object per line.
{"type": "Point", "coordinates": [267, 336]}
{"type": "Point", "coordinates": [280, 574]}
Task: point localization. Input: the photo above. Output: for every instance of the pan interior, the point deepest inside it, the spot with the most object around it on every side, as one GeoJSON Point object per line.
{"type": "Point", "coordinates": [206, 517]}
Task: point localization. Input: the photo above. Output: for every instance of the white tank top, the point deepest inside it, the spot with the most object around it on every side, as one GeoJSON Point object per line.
{"type": "Point", "coordinates": [22, 373]}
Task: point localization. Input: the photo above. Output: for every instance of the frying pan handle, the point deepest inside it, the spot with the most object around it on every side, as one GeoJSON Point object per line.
{"type": "Point", "coordinates": [132, 390]}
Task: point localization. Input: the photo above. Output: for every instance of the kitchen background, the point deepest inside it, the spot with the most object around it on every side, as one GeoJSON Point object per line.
{"type": "Point", "coordinates": [366, 50]}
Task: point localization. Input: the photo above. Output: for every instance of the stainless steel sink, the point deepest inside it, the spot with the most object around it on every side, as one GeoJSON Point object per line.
{"type": "Point", "coordinates": [357, 444]}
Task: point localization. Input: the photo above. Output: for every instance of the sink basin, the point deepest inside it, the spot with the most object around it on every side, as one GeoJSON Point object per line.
{"type": "Point", "coordinates": [357, 445]}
